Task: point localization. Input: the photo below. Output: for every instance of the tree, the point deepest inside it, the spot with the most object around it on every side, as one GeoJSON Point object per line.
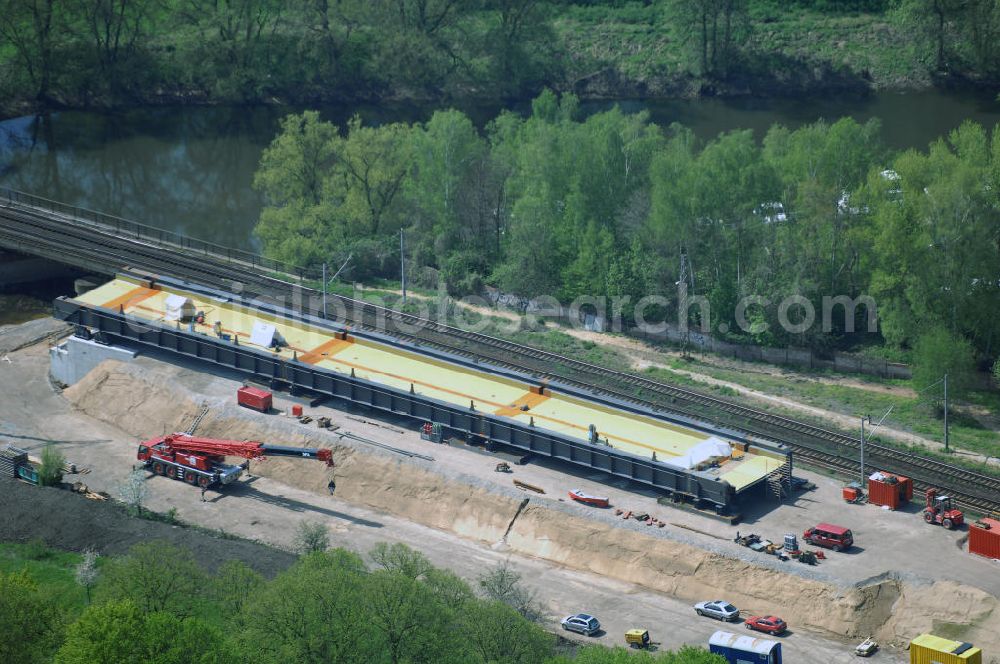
{"type": "Point", "coordinates": [132, 491]}
{"type": "Point", "coordinates": [105, 634]}
{"type": "Point", "coordinates": [401, 559]}
{"type": "Point", "coordinates": [86, 572]}
{"type": "Point", "coordinates": [312, 612]}
{"type": "Point", "coordinates": [117, 29]}
{"type": "Point", "coordinates": [619, 655]}
{"type": "Point", "coordinates": [410, 624]}
{"type": "Point", "coordinates": [518, 42]}
{"type": "Point", "coordinates": [50, 473]}
{"type": "Point", "coordinates": [371, 165]}
{"type": "Point", "coordinates": [234, 584]}
{"type": "Point", "coordinates": [235, 41]}
{"type": "Point", "coordinates": [938, 352]}
{"type": "Point", "coordinates": [121, 633]}
{"type": "Point", "coordinates": [498, 633]}
{"type": "Point", "coordinates": [32, 624]}
{"type": "Point", "coordinates": [324, 192]}
{"type": "Point", "coordinates": [446, 154]}
{"type": "Point", "coordinates": [30, 27]}
{"type": "Point", "coordinates": [503, 584]}
{"type": "Point", "coordinates": [311, 538]}
{"type": "Point", "coordinates": [294, 168]}
{"type": "Point", "coordinates": [719, 29]}
{"type": "Point", "coordinates": [156, 576]}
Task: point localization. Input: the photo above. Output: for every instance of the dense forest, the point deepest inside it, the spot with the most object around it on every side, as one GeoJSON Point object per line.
{"type": "Point", "coordinates": [156, 604]}
{"type": "Point", "coordinates": [122, 52]}
{"type": "Point", "coordinates": [612, 205]}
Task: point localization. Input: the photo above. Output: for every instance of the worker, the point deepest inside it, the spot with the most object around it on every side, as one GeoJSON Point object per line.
{"type": "Point", "coordinates": [331, 486]}
{"type": "Point", "coordinates": [203, 494]}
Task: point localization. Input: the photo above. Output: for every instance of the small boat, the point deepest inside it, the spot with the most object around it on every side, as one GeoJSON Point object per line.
{"type": "Point", "coordinates": [581, 497]}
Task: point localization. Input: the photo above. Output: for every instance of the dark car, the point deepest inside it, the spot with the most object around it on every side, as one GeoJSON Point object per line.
{"type": "Point", "coordinates": [769, 624]}
{"type": "Point", "coordinates": [581, 623]}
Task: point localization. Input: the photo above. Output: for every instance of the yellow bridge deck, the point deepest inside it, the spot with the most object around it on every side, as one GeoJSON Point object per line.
{"type": "Point", "coordinates": [395, 367]}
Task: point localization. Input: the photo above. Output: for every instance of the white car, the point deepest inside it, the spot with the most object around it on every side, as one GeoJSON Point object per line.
{"type": "Point", "coordinates": [719, 609]}
{"type": "Point", "coordinates": [581, 623]}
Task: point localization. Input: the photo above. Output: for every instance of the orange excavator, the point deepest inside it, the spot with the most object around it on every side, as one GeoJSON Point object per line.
{"type": "Point", "coordinates": [202, 461]}
{"type": "Point", "coordinates": [939, 511]}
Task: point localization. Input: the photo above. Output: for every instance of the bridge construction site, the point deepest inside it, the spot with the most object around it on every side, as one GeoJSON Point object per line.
{"type": "Point", "coordinates": [689, 459]}
{"type": "Point", "coordinates": [415, 417]}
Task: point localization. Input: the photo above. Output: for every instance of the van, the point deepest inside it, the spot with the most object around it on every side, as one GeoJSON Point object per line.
{"type": "Point", "coordinates": [830, 536]}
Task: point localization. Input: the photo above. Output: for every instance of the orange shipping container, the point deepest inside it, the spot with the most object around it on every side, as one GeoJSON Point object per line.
{"type": "Point", "coordinates": [984, 540]}
{"type": "Point", "coordinates": [850, 494]}
{"type": "Point", "coordinates": [890, 490]}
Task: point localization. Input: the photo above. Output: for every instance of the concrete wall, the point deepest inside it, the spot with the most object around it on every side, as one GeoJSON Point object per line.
{"type": "Point", "coordinates": [18, 269]}
{"type": "Point", "coordinates": [74, 358]}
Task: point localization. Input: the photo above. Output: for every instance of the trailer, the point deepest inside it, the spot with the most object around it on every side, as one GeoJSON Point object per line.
{"type": "Point", "coordinates": [202, 461]}
{"type": "Point", "coordinates": [739, 649]}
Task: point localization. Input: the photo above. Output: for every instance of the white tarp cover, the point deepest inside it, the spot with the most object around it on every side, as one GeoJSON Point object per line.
{"type": "Point", "coordinates": [262, 334]}
{"type": "Point", "coordinates": [707, 449]}
{"type": "Point", "coordinates": [174, 305]}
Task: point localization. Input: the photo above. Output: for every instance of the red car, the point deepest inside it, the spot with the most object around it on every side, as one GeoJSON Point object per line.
{"type": "Point", "coordinates": [833, 537]}
{"type": "Point", "coordinates": [769, 624]}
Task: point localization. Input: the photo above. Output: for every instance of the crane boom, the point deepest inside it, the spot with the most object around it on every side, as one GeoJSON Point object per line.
{"type": "Point", "coordinates": [247, 449]}
{"type": "Point", "coordinates": [201, 461]}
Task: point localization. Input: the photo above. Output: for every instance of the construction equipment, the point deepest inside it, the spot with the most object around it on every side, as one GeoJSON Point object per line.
{"type": "Point", "coordinates": [202, 461]}
{"type": "Point", "coordinates": [14, 462]}
{"type": "Point", "coordinates": [502, 467]}
{"type": "Point", "coordinates": [637, 638]}
{"type": "Point", "coordinates": [938, 510]}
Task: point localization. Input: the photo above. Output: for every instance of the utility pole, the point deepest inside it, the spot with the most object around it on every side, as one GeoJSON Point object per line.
{"type": "Point", "coordinates": [402, 263]}
{"type": "Point", "coordinates": [946, 412]}
{"type": "Point", "coordinates": [324, 291]}
{"type": "Point", "coordinates": [863, 418]}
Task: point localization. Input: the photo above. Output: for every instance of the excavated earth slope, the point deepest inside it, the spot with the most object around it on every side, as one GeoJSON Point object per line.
{"type": "Point", "coordinates": [139, 401]}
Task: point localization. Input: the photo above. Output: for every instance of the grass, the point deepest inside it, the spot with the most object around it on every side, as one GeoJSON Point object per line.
{"type": "Point", "coordinates": [908, 413]}
{"type": "Point", "coordinates": [51, 569]}
{"type": "Point", "coordinates": [645, 43]}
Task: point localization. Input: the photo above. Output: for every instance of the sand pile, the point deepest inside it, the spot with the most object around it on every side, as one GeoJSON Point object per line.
{"type": "Point", "coordinates": [144, 403]}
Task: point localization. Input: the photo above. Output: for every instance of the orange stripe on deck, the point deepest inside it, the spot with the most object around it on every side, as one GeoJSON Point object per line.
{"type": "Point", "coordinates": [530, 400]}
{"type": "Point", "coordinates": [324, 351]}
{"type": "Point", "coordinates": [131, 298]}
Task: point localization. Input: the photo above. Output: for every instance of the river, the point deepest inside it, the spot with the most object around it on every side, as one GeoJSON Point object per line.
{"type": "Point", "coordinates": [190, 169]}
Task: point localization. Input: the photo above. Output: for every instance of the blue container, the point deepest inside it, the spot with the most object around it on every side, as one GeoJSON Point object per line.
{"type": "Point", "coordinates": [738, 649]}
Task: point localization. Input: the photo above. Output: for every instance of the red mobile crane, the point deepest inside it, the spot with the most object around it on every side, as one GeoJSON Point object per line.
{"type": "Point", "coordinates": [938, 510]}
{"type": "Point", "coordinates": [202, 461]}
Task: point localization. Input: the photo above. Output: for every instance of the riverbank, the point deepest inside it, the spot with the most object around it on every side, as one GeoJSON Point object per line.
{"type": "Point", "coordinates": [635, 50]}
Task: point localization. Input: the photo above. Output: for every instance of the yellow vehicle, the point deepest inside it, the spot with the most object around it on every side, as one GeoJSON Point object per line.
{"type": "Point", "coordinates": [637, 638]}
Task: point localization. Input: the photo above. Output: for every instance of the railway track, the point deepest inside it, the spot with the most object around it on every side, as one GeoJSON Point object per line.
{"type": "Point", "coordinates": [60, 236]}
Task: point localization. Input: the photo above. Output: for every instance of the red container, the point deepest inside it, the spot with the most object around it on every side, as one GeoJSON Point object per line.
{"type": "Point", "coordinates": [892, 490]}
{"type": "Point", "coordinates": [255, 398]}
{"type": "Point", "coordinates": [984, 540]}
{"type": "Point", "coordinates": [297, 410]}
{"type": "Point", "coordinates": [850, 494]}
